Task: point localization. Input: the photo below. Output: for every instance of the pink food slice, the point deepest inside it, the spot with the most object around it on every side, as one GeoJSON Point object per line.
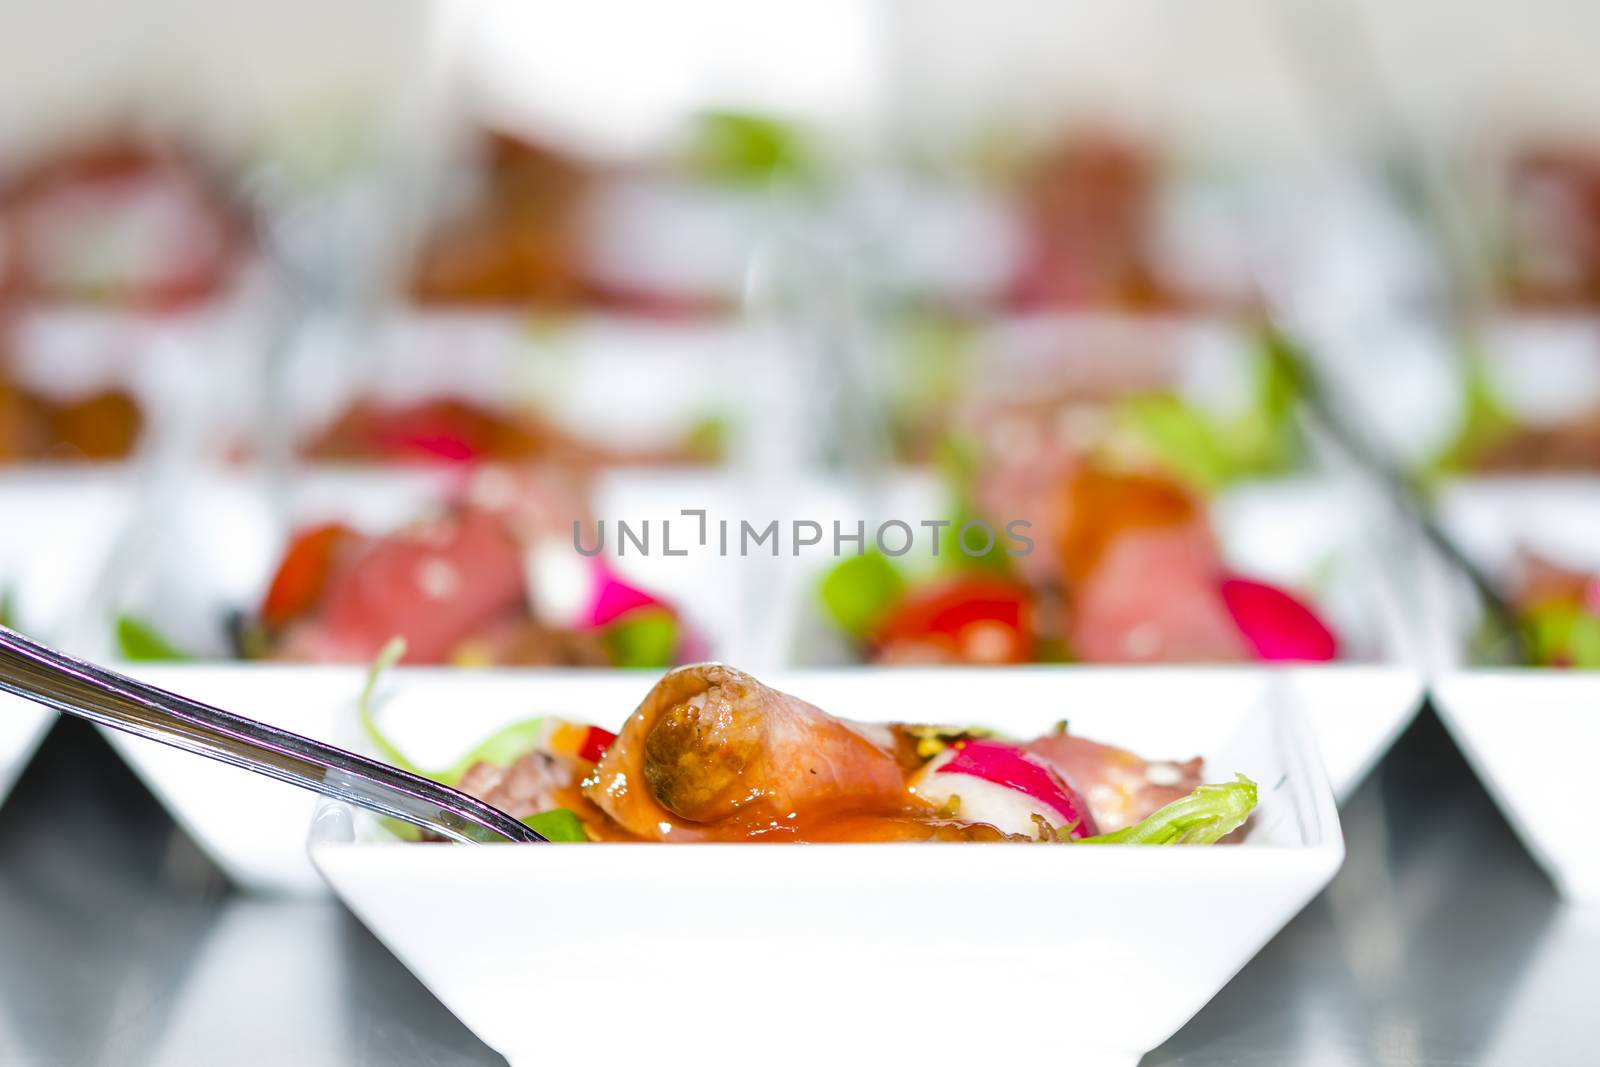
{"type": "Point", "coordinates": [1009, 766]}
{"type": "Point", "coordinates": [1276, 624]}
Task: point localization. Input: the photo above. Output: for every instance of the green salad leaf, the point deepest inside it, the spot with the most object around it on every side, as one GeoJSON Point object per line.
{"type": "Point", "coordinates": [743, 148]}
{"type": "Point", "coordinates": [1563, 634]}
{"type": "Point", "coordinates": [557, 824]}
{"type": "Point", "coordinates": [644, 637]}
{"type": "Point", "coordinates": [1204, 817]}
{"type": "Point", "coordinates": [859, 591]}
{"type": "Point", "coordinates": [503, 748]}
{"type": "Point", "coordinates": [139, 642]}
{"type": "Point", "coordinates": [708, 437]}
{"type": "Point", "coordinates": [1485, 422]}
{"type": "Point", "coordinates": [1211, 451]}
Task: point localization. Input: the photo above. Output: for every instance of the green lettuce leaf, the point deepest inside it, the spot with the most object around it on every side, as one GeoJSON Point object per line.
{"type": "Point", "coordinates": [1563, 634]}
{"type": "Point", "coordinates": [1485, 423]}
{"type": "Point", "coordinates": [644, 637]}
{"type": "Point", "coordinates": [742, 148]}
{"type": "Point", "coordinates": [859, 591]}
{"type": "Point", "coordinates": [708, 437]}
{"type": "Point", "coordinates": [557, 824]}
{"type": "Point", "coordinates": [139, 642]}
{"type": "Point", "coordinates": [1211, 451]}
{"type": "Point", "coordinates": [1204, 817]}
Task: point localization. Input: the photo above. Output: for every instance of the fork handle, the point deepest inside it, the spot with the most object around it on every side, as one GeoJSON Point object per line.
{"type": "Point", "coordinates": [43, 675]}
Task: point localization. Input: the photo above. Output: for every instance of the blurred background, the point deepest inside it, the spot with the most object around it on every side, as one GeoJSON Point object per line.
{"type": "Point", "coordinates": [326, 323]}
{"type": "Point", "coordinates": [292, 295]}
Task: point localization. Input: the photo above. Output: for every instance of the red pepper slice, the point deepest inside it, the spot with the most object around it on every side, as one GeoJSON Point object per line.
{"type": "Point", "coordinates": [595, 743]}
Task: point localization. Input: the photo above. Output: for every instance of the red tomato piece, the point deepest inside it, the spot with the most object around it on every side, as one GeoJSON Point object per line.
{"type": "Point", "coordinates": [302, 576]}
{"type": "Point", "coordinates": [978, 618]}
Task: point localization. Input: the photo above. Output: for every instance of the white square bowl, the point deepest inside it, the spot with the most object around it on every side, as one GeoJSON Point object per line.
{"type": "Point", "coordinates": [1532, 734]}
{"type": "Point", "coordinates": [1089, 956]}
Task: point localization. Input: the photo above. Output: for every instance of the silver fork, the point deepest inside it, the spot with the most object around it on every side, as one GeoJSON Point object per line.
{"type": "Point", "coordinates": [34, 672]}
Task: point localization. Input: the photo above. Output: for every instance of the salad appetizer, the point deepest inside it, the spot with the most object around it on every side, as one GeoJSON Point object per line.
{"type": "Point", "coordinates": [713, 755]}
{"type": "Point", "coordinates": [1123, 567]}
{"type": "Point", "coordinates": [465, 587]}
{"type": "Point", "coordinates": [1559, 609]}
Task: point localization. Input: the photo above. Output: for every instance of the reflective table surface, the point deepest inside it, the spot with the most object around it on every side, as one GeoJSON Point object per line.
{"type": "Point", "coordinates": [1439, 943]}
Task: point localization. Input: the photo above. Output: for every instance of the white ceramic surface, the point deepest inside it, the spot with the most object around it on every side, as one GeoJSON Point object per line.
{"type": "Point", "coordinates": [937, 954]}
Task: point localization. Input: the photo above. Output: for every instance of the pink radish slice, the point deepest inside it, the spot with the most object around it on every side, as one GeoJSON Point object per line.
{"type": "Point", "coordinates": [614, 598]}
{"type": "Point", "coordinates": [1277, 625]}
{"type": "Point", "coordinates": [1008, 766]}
